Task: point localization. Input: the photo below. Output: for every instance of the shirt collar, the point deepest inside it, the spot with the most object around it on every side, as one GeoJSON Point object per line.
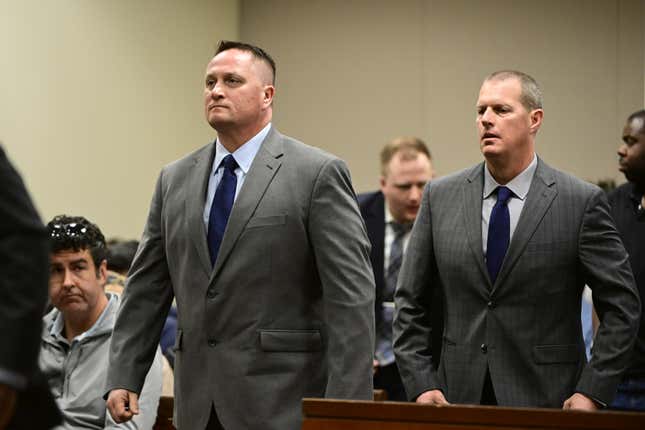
{"type": "Point", "coordinates": [243, 155]}
{"type": "Point", "coordinates": [388, 215]}
{"type": "Point", "coordinates": [519, 185]}
{"type": "Point", "coordinates": [389, 220]}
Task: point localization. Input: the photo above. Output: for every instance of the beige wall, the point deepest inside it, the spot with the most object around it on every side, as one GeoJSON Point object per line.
{"type": "Point", "coordinates": [96, 96]}
{"type": "Point", "coordinates": [353, 74]}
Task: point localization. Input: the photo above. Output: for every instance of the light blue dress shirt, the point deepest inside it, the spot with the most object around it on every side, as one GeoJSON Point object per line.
{"type": "Point", "coordinates": [244, 156]}
{"type": "Point", "coordinates": [519, 185]}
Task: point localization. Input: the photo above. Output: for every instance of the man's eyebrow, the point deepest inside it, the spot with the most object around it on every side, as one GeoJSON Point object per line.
{"type": "Point", "coordinates": [79, 261]}
{"type": "Point", "coordinates": [73, 262]}
{"type": "Point", "coordinates": [233, 74]}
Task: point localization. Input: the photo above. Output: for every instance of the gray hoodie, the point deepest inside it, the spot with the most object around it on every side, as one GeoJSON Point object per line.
{"type": "Point", "coordinates": [76, 373]}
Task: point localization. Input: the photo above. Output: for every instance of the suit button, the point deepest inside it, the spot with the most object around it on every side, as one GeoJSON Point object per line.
{"type": "Point", "coordinates": [212, 342]}
{"type": "Point", "coordinates": [490, 304]}
{"type": "Point", "coordinates": [211, 294]}
{"type": "Point", "coordinates": [484, 348]}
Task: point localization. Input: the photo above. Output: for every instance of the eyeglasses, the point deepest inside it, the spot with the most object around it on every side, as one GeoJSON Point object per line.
{"type": "Point", "coordinates": [72, 230]}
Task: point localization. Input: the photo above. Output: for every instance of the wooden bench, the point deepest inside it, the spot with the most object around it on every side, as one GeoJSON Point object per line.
{"type": "Point", "coordinates": [166, 403]}
{"type": "Point", "coordinates": [327, 414]}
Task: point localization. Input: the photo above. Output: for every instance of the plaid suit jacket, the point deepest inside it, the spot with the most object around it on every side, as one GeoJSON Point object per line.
{"type": "Point", "coordinates": [525, 328]}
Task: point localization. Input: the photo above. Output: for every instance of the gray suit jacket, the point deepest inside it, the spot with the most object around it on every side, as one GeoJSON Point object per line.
{"type": "Point", "coordinates": [526, 327]}
{"type": "Point", "coordinates": [288, 310]}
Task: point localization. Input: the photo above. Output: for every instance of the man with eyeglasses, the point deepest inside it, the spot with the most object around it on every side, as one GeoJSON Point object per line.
{"type": "Point", "coordinates": [77, 332]}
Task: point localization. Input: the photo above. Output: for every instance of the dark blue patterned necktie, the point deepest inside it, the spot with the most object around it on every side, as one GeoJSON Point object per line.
{"type": "Point", "coordinates": [384, 352]}
{"type": "Point", "coordinates": [221, 207]}
{"type": "Point", "coordinates": [499, 231]}
{"type": "Point", "coordinates": [396, 257]}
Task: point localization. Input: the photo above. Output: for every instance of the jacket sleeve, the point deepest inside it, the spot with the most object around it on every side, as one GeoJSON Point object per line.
{"type": "Point", "coordinates": [146, 300]}
{"type": "Point", "coordinates": [341, 249]}
{"type": "Point", "coordinates": [412, 327]}
{"type": "Point", "coordinates": [605, 264]}
{"type": "Point", "coordinates": [148, 400]}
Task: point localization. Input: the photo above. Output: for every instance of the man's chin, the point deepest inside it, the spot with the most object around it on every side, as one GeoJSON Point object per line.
{"type": "Point", "coordinates": [411, 216]}
{"type": "Point", "coordinates": [71, 306]}
{"type": "Point", "coordinates": [634, 177]}
{"type": "Point", "coordinates": [489, 151]}
{"type": "Point", "coordinates": [218, 121]}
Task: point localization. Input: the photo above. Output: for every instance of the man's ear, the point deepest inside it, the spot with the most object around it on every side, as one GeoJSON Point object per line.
{"type": "Point", "coordinates": [269, 92]}
{"type": "Point", "coordinates": [382, 182]}
{"type": "Point", "coordinates": [101, 272]}
{"type": "Point", "coordinates": [536, 117]}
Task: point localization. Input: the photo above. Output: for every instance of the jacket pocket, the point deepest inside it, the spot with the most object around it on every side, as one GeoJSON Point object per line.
{"type": "Point", "coordinates": [290, 340]}
{"type": "Point", "coordinates": [551, 354]}
{"type": "Point", "coordinates": [178, 341]}
{"type": "Point", "coordinates": [266, 221]}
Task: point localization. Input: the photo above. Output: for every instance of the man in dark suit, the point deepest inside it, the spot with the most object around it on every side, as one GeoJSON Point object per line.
{"type": "Point", "coordinates": [628, 209]}
{"type": "Point", "coordinates": [25, 401]}
{"type": "Point", "coordinates": [511, 243]}
{"type": "Point", "coordinates": [406, 166]}
{"type": "Point", "coordinates": [260, 240]}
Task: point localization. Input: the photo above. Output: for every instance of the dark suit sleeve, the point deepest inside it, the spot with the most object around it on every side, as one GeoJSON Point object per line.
{"type": "Point", "coordinates": [146, 300]}
{"type": "Point", "coordinates": [608, 273]}
{"type": "Point", "coordinates": [341, 249]}
{"type": "Point", "coordinates": [413, 322]}
{"type": "Point", "coordinates": [23, 274]}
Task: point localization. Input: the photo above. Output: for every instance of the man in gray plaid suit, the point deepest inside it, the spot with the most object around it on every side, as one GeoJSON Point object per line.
{"type": "Point", "coordinates": [510, 244]}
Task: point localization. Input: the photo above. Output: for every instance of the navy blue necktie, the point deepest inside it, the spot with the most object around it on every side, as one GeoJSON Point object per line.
{"type": "Point", "coordinates": [396, 257]}
{"type": "Point", "coordinates": [499, 231]}
{"type": "Point", "coordinates": [221, 207]}
{"type": "Point", "coordinates": [384, 352]}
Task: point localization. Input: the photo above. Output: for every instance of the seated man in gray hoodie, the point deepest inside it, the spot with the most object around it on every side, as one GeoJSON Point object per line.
{"type": "Point", "coordinates": [77, 332]}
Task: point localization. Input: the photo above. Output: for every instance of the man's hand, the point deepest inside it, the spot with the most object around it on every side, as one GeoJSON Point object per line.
{"type": "Point", "coordinates": [580, 402]}
{"type": "Point", "coordinates": [123, 405]}
{"type": "Point", "coordinates": [374, 366]}
{"type": "Point", "coordinates": [7, 404]}
{"type": "Point", "coordinates": [432, 397]}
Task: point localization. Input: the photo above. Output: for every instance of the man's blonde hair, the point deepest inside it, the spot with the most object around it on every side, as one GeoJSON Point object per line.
{"type": "Point", "coordinates": [409, 147]}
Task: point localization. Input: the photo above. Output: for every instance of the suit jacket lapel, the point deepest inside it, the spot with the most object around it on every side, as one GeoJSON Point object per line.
{"type": "Point", "coordinates": [375, 224]}
{"type": "Point", "coordinates": [538, 200]}
{"type": "Point", "coordinates": [472, 204]}
{"type": "Point", "coordinates": [265, 165]}
{"type": "Point", "coordinates": [195, 202]}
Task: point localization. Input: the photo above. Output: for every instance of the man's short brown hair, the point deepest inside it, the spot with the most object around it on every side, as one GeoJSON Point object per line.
{"type": "Point", "coordinates": [256, 51]}
{"type": "Point", "coordinates": [409, 147]}
{"type": "Point", "coordinates": [531, 96]}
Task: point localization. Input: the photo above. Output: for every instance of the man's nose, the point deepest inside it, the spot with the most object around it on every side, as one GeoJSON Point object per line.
{"type": "Point", "coordinates": [622, 150]}
{"type": "Point", "coordinates": [68, 278]}
{"type": "Point", "coordinates": [216, 91]}
{"type": "Point", "coordinates": [415, 192]}
{"type": "Point", "coordinates": [486, 117]}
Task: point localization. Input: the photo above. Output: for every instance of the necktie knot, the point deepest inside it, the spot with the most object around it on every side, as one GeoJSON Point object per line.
{"type": "Point", "coordinates": [503, 194]}
{"type": "Point", "coordinates": [229, 163]}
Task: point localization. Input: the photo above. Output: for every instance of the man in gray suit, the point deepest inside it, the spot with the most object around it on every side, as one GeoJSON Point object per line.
{"type": "Point", "coordinates": [260, 240]}
{"type": "Point", "coordinates": [510, 244]}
